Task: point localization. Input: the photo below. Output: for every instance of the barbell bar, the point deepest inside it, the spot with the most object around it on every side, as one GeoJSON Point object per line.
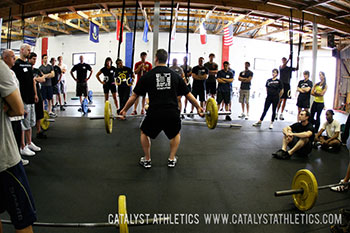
{"type": "Point", "coordinates": [218, 124]}
{"type": "Point", "coordinates": [305, 189]}
{"type": "Point", "coordinates": [122, 225]}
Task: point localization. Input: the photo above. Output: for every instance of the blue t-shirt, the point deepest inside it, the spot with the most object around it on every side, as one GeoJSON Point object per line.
{"type": "Point", "coordinates": [224, 87]}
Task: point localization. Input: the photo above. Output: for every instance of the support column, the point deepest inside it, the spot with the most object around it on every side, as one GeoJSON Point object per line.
{"type": "Point", "coordinates": [155, 29]}
{"type": "Point", "coordinates": [314, 52]}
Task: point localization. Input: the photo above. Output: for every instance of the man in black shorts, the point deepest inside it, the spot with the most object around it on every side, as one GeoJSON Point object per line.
{"type": "Point", "coordinates": [210, 83]}
{"type": "Point", "coordinates": [304, 89]}
{"type": "Point", "coordinates": [285, 76]}
{"type": "Point", "coordinates": [55, 84]}
{"type": "Point", "coordinates": [298, 137]}
{"type": "Point", "coordinates": [225, 78]}
{"type": "Point", "coordinates": [199, 75]}
{"type": "Point", "coordinates": [163, 87]}
{"type": "Point", "coordinates": [188, 73]}
{"type": "Point", "coordinates": [81, 79]}
{"type": "Point", "coordinates": [15, 194]}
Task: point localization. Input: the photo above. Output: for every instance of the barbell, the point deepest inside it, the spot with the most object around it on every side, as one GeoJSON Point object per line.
{"type": "Point", "coordinates": [218, 124]}
{"type": "Point", "coordinates": [305, 189]}
{"type": "Point", "coordinates": [211, 115]}
{"type": "Point", "coordinates": [45, 121]}
{"type": "Point", "coordinates": [123, 220]}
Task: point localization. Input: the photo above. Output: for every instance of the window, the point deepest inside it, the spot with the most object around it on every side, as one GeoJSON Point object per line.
{"type": "Point", "coordinates": [89, 58]}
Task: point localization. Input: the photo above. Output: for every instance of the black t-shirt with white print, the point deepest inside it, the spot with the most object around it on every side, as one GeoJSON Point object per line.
{"type": "Point", "coordinates": [305, 84]}
{"type": "Point", "coordinates": [273, 87]}
{"type": "Point", "coordinates": [163, 87]}
{"type": "Point", "coordinates": [24, 74]}
{"type": "Point", "coordinates": [108, 75]}
{"type": "Point", "coordinates": [199, 70]}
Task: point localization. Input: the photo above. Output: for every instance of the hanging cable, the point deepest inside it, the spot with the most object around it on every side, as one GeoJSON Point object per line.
{"type": "Point", "coordinates": [170, 28]}
{"type": "Point", "coordinates": [121, 29]}
{"type": "Point", "coordinates": [134, 37]}
{"type": "Point", "coordinates": [291, 37]}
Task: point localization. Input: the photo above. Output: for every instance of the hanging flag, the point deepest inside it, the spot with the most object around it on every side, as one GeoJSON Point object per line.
{"type": "Point", "coordinates": [119, 24]}
{"type": "Point", "coordinates": [228, 35]}
{"type": "Point", "coordinates": [94, 32]}
{"type": "Point", "coordinates": [145, 32]}
{"type": "Point", "coordinates": [203, 33]}
{"type": "Point", "coordinates": [29, 40]}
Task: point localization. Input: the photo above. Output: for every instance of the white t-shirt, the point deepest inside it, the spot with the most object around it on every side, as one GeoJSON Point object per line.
{"type": "Point", "coordinates": [9, 153]}
{"type": "Point", "coordinates": [63, 66]}
{"type": "Point", "coordinates": [332, 128]}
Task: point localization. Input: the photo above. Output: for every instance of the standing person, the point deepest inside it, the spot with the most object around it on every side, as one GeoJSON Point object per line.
{"type": "Point", "coordinates": [9, 58]}
{"type": "Point", "coordinates": [16, 197]}
{"type": "Point", "coordinates": [274, 88]}
{"type": "Point", "coordinates": [285, 76]}
{"type": "Point", "coordinates": [298, 137]}
{"type": "Point", "coordinates": [317, 106]}
{"type": "Point", "coordinates": [124, 73]}
{"type": "Point", "coordinates": [225, 78]}
{"type": "Point", "coordinates": [304, 89]}
{"type": "Point", "coordinates": [332, 128]}
{"type": "Point", "coordinates": [179, 71]}
{"type": "Point", "coordinates": [46, 87]}
{"type": "Point", "coordinates": [199, 75]}
{"type": "Point", "coordinates": [245, 77]}
{"type": "Point", "coordinates": [39, 107]}
{"type": "Point", "coordinates": [141, 68]}
{"type": "Point", "coordinates": [24, 74]}
{"type": "Point", "coordinates": [163, 87]}
{"type": "Point", "coordinates": [81, 79]}
{"type": "Point", "coordinates": [108, 81]}
{"type": "Point", "coordinates": [62, 84]}
{"type": "Point", "coordinates": [210, 83]}
{"type": "Point", "coordinates": [55, 84]}
{"type": "Point", "coordinates": [188, 73]}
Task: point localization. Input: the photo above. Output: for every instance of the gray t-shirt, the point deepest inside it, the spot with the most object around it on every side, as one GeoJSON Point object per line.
{"type": "Point", "coordinates": [46, 70]}
{"type": "Point", "coordinates": [9, 153]}
{"type": "Point", "coordinates": [177, 69]}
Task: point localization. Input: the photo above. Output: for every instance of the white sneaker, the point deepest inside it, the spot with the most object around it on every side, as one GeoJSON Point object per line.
{"type": "Point", "coordinates": [257, 124]}
{"type": "Point", "coordinates": [33, 147]}
{"type": "Point", "coordinates": [242, 115]}
{"type": "Point", "coordinates": [271, 126]}
{"type": "Point", "coordinates": [281, 117]}
{"type": "Point", "coordinates": [25, 162]}
{"type": "Point", "coordinates": [247, 117]}
{"type": "Point", "coordinates": [26, 151]}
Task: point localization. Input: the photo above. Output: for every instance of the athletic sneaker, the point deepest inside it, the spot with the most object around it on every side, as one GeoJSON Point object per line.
{"type": "Point", "coordinates": [242, 115]}
{"type": "Point", "coordinates": [281, 117]}
{"type": "Point", "coordinates": [257, 124]}
{"type": "Point", "coordinates": [340, 188]}
{"type": "Point", "coordinates": [65, 104]}
{"type": "Point", "coordinates": [56, 104]}
{"type": "Point", "coordinates": [145, 163]}
{"type": "Point", "coordinates": [79, 110]}
{"type": "Point", "coordinates": [192, 116]}
{"type": "Point", "coordinates": [228, 118]}
{"type": "Point", "coordinates": [89, 110]}
{"type": "Point", "coordinates": [247, 117]}
{"type": "Point", "coordinates": [172, 163]}
{"type": "Point", "coordinates": [26, 151]}
{"type": "Point", "coordinates": [271, 126]}
{"type": "Point", "coordinates": [25, 162]}
{"type": "Point", "coordinates": [62, 108]}
{"type": "Point", "coordinates": [52, 114]}
{"type": "Point", "coordinates": [283, 155]}
{"type": "Point", "coordinates": [34, 147]}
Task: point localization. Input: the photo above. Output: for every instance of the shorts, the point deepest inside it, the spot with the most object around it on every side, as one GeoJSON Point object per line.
{"type": "Point", "coordinates": [169, 123]}
{"type": "Point", "coordinates": [305, 150]}
{"type": "Point", "coordinates": [82, 89]}
{"type": "Point", "coordinates": [109, 86]}
{"type": "Point", "coordinates": [211, 88]}
{"type": "Point", "coordinates": [302, 103]}
{"type": "Point", "coordinates": [223, 96]}
{"type": "Point", "coordinates": [244, 96]}
{"type": "Point", "coordinates": [286, 91]}
{"type": "Point", "coordinates": [198, 92]}
{"type": "Point", "coordinates": [29, 120]}
{"type": "Point", "coordinates": [16, 198]}
{"type": "Point", "coordinates": [47, 92]}
{"type": "Point", "coordinates": [189, 87]}
{"type": "Point", "coordinates": [62, 87]}
{"type": "Point", "coordinates": [55, 89]}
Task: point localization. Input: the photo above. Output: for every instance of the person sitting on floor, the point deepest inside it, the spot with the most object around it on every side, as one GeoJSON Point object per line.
{"type": "Point", "coordinates": [298, 137]}
{"type": "Point", "coordinates": [332, 127]}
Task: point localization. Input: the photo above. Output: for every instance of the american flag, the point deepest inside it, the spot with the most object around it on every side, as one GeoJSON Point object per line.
{"type": "Point", "coordinates": [228, 35]}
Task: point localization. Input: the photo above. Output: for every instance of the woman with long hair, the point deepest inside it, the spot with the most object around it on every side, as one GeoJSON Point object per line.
{"type": "Point", "coordinates": [318, 91]}
{"type": "Point", "coordinates": [108, 81]}
{"type": "Point", "coordinates": [274, 88]}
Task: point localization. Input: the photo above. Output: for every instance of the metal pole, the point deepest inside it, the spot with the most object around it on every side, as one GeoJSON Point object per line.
{"type": "Point", "coordinates": [170, 29]}
{"type": "Point", "coordinates": [314, 51]}
{"type": "Point", "coordinates": [155, 28]}
{"type": "Point", "coordinates": [133, 40]}
{"type": "Point", "coordinates": [121, 29]}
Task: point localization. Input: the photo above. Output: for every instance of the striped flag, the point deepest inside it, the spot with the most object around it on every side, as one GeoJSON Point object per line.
{"type": "Point", "coordinates": [203, 33]}
{"type": "Point", "coordinates": [228, 35]}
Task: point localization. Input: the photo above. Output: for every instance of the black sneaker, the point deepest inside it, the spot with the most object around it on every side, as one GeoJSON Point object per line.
{"type": "Point", "coordinates": [89, 110]}
{"type": "Point", "coordinates": [145, 163]}
{"type": "Point", "coordinates": [277, 153]}
{"type": "Point", "coordinates": [41, 135]}
{"type": "Point", "coordinates": [228, 118]}
{"type": "Point", "coordinates": [65, 104]}
{"type": "Point", "coordinates": [79, 110]}
{"type": "Point", "coordinates": [189, 115]}
{"type": "Point", "coordinates": [172, 163]}
{"type": "Point", "coordinates": [182, 117]}
{"type": "Point", "coordinates": [283, 155]}
{"type": "Point", "coordinates": [62, 108]}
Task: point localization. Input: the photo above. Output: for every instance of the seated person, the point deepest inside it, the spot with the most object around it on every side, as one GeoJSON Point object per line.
{"type": "Point", "coordinates": [298, 137]}
{"type": "Point", "coordinates": [332, 127]}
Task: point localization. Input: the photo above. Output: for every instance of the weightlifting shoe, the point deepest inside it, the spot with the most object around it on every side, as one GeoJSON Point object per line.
{"type": "Point", "coordinates": [172, 163]}
{"type": "Point", "coordinates": [34, 147]}
{"type": "Point", "coordinates": [145, 163]}
{"type": "Point", "coordinates": [340, 188]}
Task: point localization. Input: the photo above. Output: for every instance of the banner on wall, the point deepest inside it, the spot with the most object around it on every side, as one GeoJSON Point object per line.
{"type": "Point", "coordinates": [94, 32]}
{"type": "Point", "coordinates": [118, 31]}
{"type": "Point", "coordinates": [203, 33]}
{"type": "Point", "coordinates": [29, 40]}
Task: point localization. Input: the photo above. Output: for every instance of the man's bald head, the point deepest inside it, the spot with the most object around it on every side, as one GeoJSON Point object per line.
{"type": "Point", "coordinates": [9, 57]}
